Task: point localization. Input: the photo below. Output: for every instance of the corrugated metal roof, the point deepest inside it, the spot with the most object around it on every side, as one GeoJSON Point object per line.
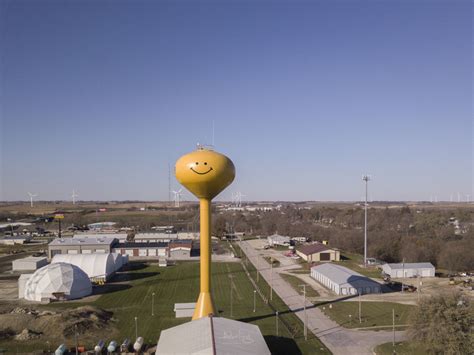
{"type": "Point", "coordinates": [131, 245]}
{"type": "Point", "coordinates": [411, 266]}
{"type": "Point", "coordinates": [83, 241]}
{"type": "Point", "coordinates": [342, 275]}
{"type": "Point", "coordinates": [312, 248]}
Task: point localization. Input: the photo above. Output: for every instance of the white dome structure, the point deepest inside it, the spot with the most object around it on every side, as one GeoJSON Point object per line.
{"type": "Point", "coordinates": [57, 281]}
{"type": "Point", "coordinates": [96, 266]}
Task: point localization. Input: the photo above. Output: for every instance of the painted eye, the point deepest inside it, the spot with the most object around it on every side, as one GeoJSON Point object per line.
{"type": "Point", "coordinates": [205, 163]}
{"type": "Point", "coordinates": [197, 163]}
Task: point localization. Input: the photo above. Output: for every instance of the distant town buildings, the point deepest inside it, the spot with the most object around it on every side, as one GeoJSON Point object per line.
{"type": "Point", "coordinates": [102, 226]}
{"type": "Point", "coordinates": [18, 239]}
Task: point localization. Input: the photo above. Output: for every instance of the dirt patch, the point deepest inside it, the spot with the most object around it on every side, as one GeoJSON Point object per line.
{"type": "Point", "coordinates": [21, 323]}
{"type": "Point", "coordinates": [27, 334]}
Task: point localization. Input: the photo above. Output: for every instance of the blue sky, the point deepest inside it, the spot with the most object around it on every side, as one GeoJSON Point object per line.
{"type": "Point", "coordinates": [305, 97]}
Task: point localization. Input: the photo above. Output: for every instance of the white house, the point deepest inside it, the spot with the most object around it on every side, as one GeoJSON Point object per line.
{"type": "Point", "coordinates": [277, 239]}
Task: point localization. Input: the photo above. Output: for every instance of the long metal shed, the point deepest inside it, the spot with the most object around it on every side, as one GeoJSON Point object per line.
{"type": "Point", "coordinates": [409, 270]}
{"type": "Point", "coordinates": [344, 281]}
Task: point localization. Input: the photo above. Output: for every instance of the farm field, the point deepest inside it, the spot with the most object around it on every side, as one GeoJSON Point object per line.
{"type": "Point", "coordinates": [130, 296]}
{"type": "Point", "coordinates": [374, 314]}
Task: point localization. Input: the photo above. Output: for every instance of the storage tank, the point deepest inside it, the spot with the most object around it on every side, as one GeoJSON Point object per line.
{"type": "Point", "coordinates": [60, 350]}
{"type": "Point", "coordinates": [125, 345]}
{"type": "Point", "coordinates": [112, 346]}
{"type": "Point", "coordinates": [100, 345]}
{"type": "Point", "coordinates": [138, 344]}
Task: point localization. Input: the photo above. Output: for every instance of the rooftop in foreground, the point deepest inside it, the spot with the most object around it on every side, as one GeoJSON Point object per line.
{"type": "Point", "coordinates": [212, 335]}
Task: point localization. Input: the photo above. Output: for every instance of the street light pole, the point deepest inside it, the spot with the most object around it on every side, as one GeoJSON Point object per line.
{"type": "Point", "coordinates": [254, 300]}
{"type": "Point", "coordinates": [276, 320]}
{"type": "Point", "coordinates": [136, 328]}
{"type": "Point", "coordinates": [231, 296]}
{"type": "Point", "coordinates": [271, 278]}
{"type": "Point", "coordinates": [258, 265]}
{"type": "Point", "coordinates": [305, 315]}
{"type": "Point", "coordinates": [360, 310]}
{"type": "Point", "coordinates": [366, 178]}
{"type": "Point", "coordinates": [75, 337]}
{"type": "Point", "coordinates": [393, 328]}
{"type": "Point", "coordinates": [152, 304]}
{"type": "Point", "coordinates": [403, 272]}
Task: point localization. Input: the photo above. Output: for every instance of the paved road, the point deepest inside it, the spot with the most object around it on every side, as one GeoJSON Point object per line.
{"type": "Point", "coordinates": [339, 340]}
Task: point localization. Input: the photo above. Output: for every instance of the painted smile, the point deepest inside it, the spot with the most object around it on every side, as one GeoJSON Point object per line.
{"type": "Point", "coordinates": [197, 172]}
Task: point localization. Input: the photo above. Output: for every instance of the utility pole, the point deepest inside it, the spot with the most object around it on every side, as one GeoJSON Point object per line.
{"type": "Point", "coordinates": [418, 289]}
{"type": "Point", "coordinates": [271, 278]}
{"type": "Point", "coordinates": [305, 315]}
{"type": "Point", "coordinates": [152, 304]}
{"type": "Point", "coordinates": [366, 178]}
{"type": "Point", "coordinates": [276, 320]}
{"type": "Point", "coordinates": [393, 329]}
{"type": "Point", "coordinates": [403, 272]}
{"type": "Point", "coordinates": [258, 265]}
{"type": "Point", "coordinates": [75, 337]}
{"type": "Point", "coordinates": [254, 300]}
{"type": "Point", "coordinates": [136, 328]}
{"type": "Point", "coordinates": [231, 296]}
{"type": "Point", "coordinates": [360, 310]}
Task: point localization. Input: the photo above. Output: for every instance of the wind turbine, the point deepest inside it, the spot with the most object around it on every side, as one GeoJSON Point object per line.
{"type": "Point", "coordinates": [31, 198]}
{"type": "Point", "coordinates": [237, 199]}
{"type": "Point", "coordinates": [74, 195]}
{"type": "Point", "coordinates": [177, 197]}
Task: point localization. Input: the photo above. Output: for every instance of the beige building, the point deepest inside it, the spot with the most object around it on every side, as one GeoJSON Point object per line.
{"type": "Point", "coordinates": [81, 246]}
{"type": "Point", "coordinates": [318, 252]}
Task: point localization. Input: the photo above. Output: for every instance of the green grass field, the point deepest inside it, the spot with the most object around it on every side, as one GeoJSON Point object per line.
{"type": "Point", "coordinates": [180, 283]}
{"type": "Point", "coordinates": [295, 282]}
{"type": "Point", "coordinates": [402, 348]}
{"type": "Point", "coordinates": [374, 314]}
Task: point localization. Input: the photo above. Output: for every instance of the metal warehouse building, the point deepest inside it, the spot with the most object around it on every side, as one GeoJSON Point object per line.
{"type": "Point", "coordinates": [344, 281]}
{"type": "Point", "coordinates": [180, 248]}
{"type": "Point", "coordinates": [318, 252]}
{"type": "Point", "coordinates": [81, 246]}
{"type": "Point", "coordinates": [29, 263]}
{"type": "Point", "coordinates": [134, 249]}
{"type": "Point", "coordinates": [409, 270]}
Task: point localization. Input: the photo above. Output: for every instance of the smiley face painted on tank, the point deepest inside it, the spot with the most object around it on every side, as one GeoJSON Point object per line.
{"type": "Point", "coordinates": [204, 166]}
{"type": "Point", "coordinates": [205, 172]}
